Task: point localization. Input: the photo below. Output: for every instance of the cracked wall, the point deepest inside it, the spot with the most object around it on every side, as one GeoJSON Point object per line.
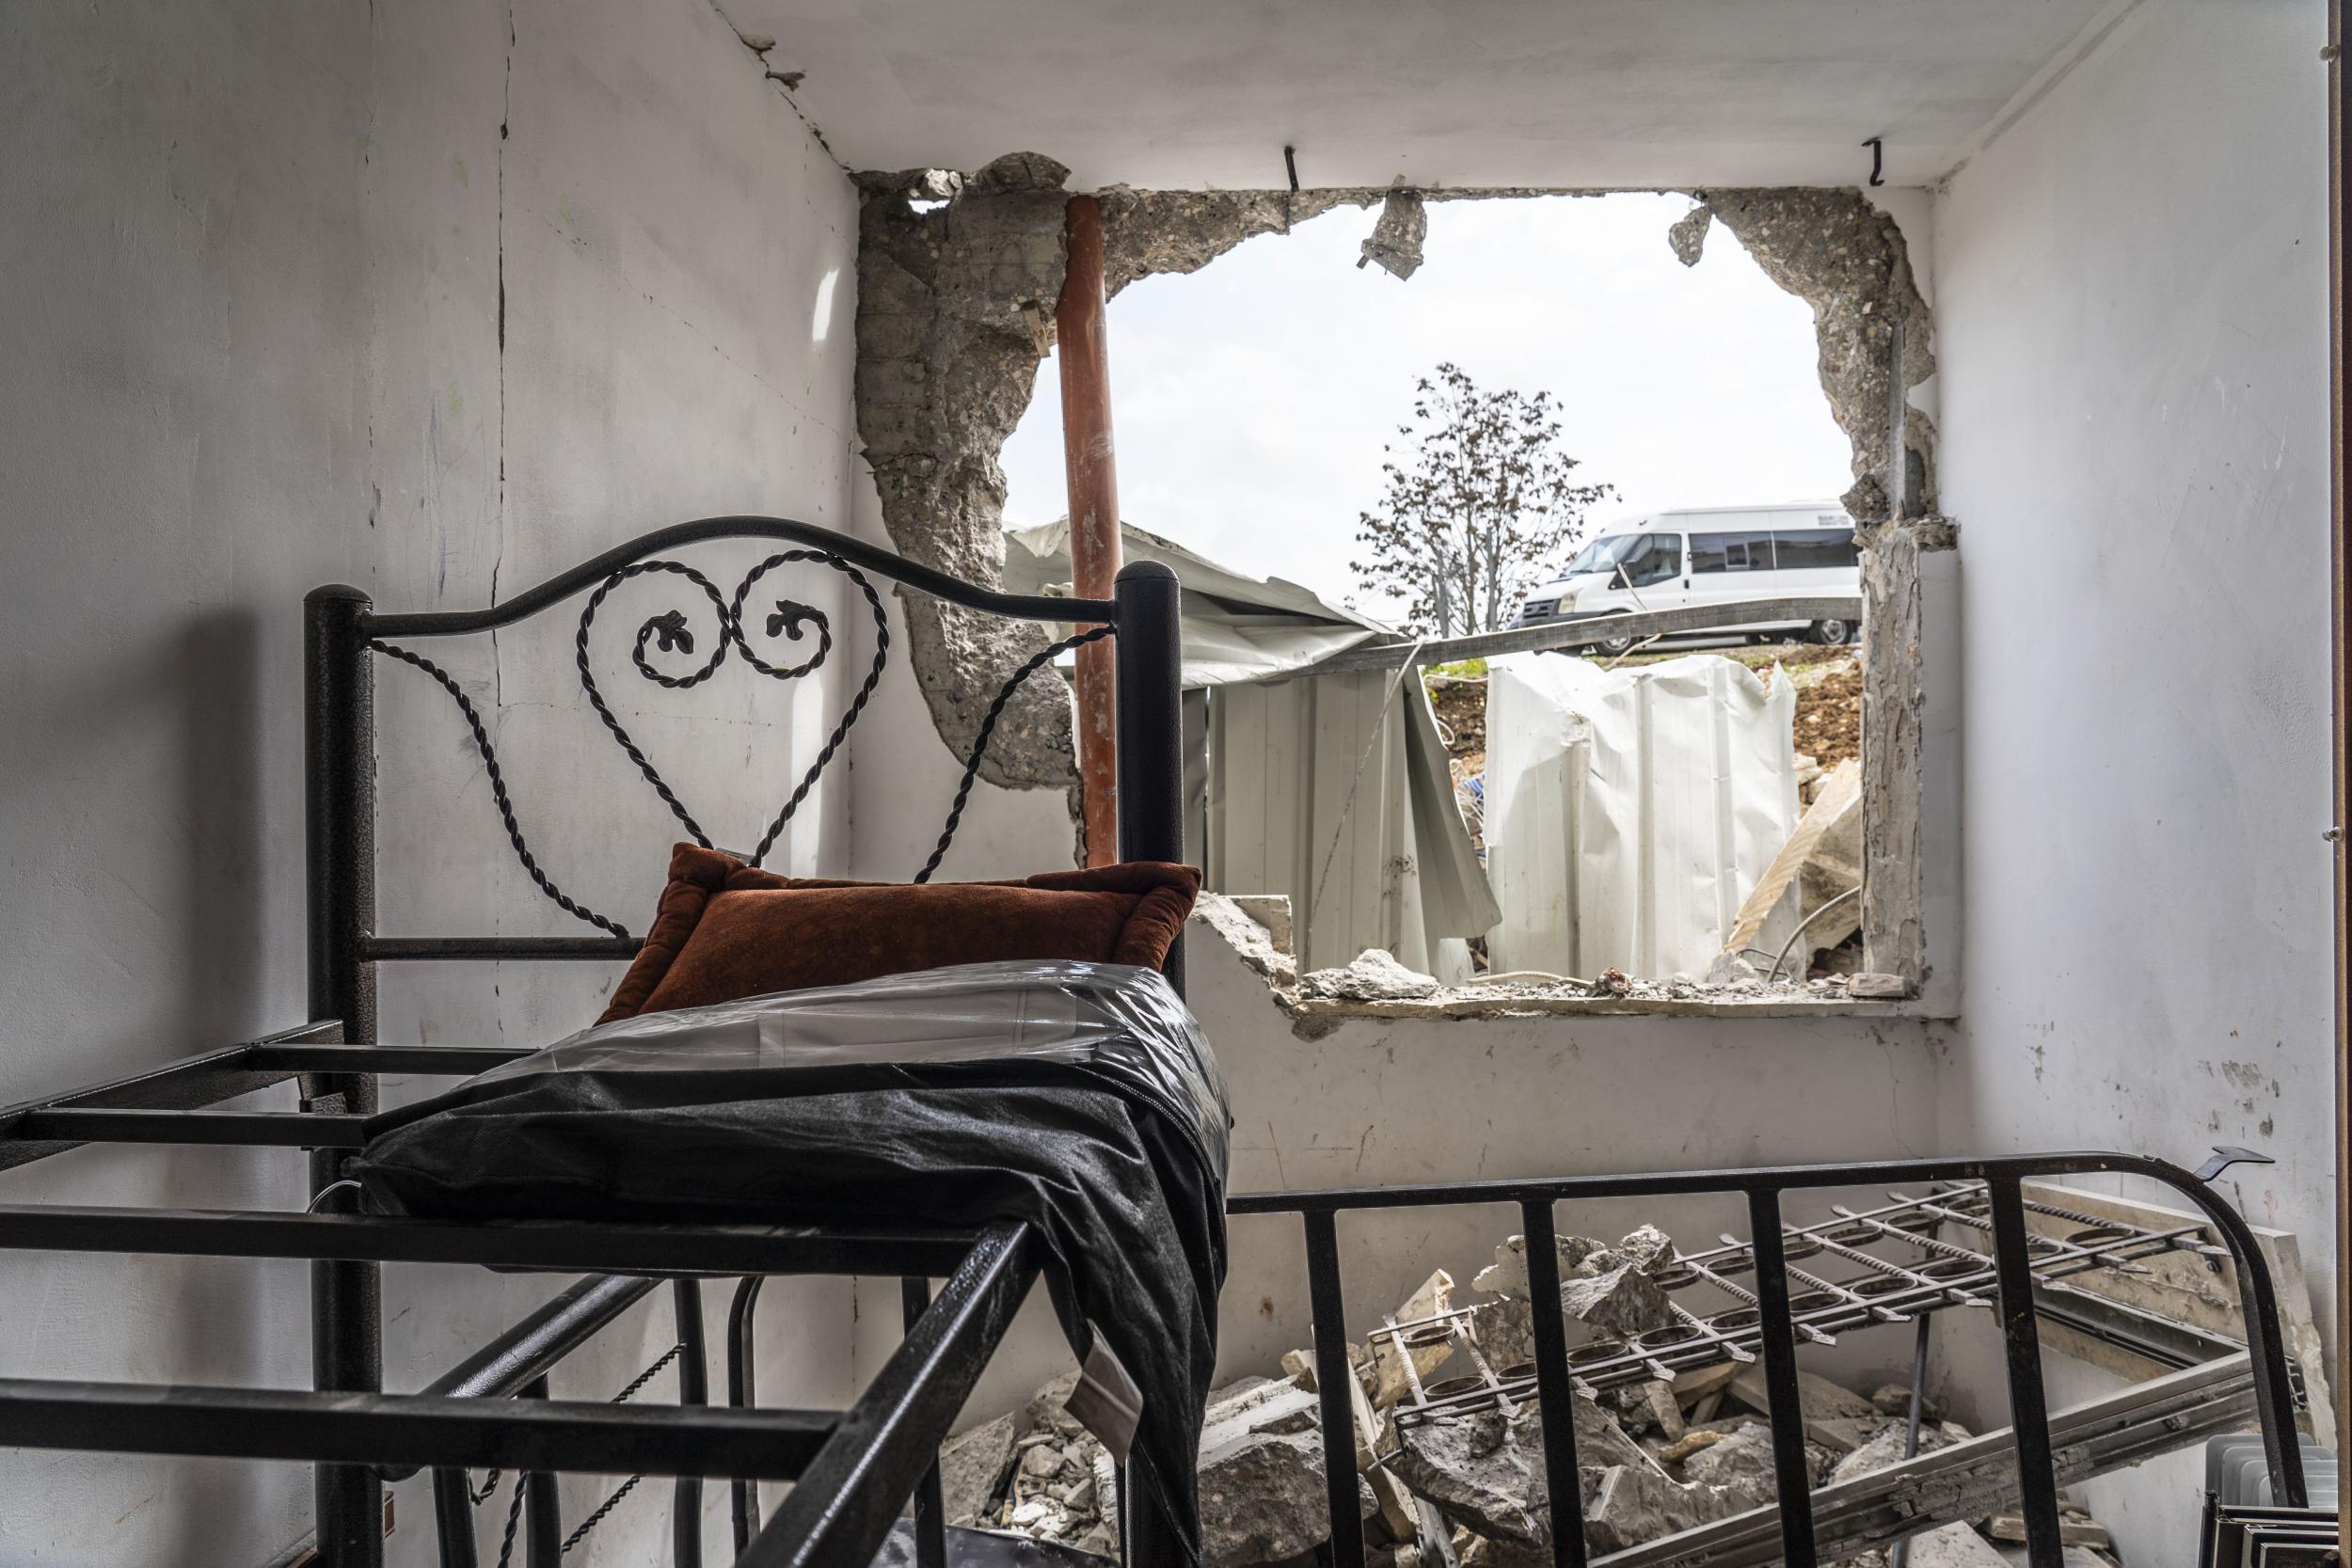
{"type": "Point", "coordinates": [958, 279]}
{"type": "Point", "coordinates": [434, 300]}
{"type": "Point", "coordinates": [1846, 259]}
{"type": "Point", "coordinates": [955, 314]}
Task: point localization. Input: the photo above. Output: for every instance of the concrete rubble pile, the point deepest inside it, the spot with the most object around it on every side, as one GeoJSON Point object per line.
{"type": "Point", "coordinates": [1465, 1486]}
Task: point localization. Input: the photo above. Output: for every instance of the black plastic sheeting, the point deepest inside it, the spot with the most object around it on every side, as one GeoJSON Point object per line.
{"type": "Point", "coordinates": [1081, 1097]}
{"type": "Point", "coordinates": [984, 1548]}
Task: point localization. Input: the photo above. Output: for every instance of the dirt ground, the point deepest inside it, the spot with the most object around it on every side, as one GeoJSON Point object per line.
{"type": "Point", "coordinates": [1829, 701]}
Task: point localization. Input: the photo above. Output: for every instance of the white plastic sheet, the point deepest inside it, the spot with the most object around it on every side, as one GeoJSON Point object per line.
{"type": "Point", "coordinates": [1629, 811]}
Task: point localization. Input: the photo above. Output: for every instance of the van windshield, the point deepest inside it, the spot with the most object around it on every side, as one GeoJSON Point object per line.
{"type": "Point", "coordinates": [1602, 554]}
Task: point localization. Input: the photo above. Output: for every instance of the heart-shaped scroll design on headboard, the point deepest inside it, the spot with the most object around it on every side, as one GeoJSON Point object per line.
{"type": "Point", "coordinates": [671, 632]}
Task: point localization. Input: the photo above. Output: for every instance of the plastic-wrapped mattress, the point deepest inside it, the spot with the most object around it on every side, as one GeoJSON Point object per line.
{"type": "Point", "coordinates": [1079, 1097]}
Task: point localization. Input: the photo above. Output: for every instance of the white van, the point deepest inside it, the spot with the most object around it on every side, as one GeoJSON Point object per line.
{"type": "Point", "coordinates": [1705, 555]}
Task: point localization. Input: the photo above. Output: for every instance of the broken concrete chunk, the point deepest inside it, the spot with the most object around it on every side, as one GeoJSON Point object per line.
{"type": "Point", "coordinates": [1894, 1398]}
{"type": "Point", "coordinates": [1398, 233]}
{"type": "Point", "coordinates": [1624, 1301]}
{"type": "Point", "coordinates": [1687, 235]}
{"type": "Point", "coordinates": [1817, 1398]}
{"type": "Point", "coordinates": [1662, 1409]}
{"type": "Point", "coordinates": [1886, 1449]}
{"type": "Point", "coordinates": [1843, 1435]}
{"type": "Point", "coordinates": [1429, 1345]}
{"type": "Point", "coordinates": [1505, 1332]}
{"type": "Point", "coordinates": [1484, 1473]}
{"type": "Point", "coordinates": [972, 1467]}
{"type": "Point", "coordinates": [1507, 1277]}
{"type": "Point", "coordinates": [1045, 1413]}
{"type": "Point", "coordinates": [1689, 1444]}
{"type": "Point", "coordinates": [1953, 1547]}
{"type": "Point", "coordinates": [1648, 1249]}
{"type": "Point", "coordinates": [1871, 987]}
{"type": "Point", "coordinates": [1287, 1409]}
{"type": "Point", "coordinates": [1630, 1506]}
{"type": "Point", "coordinates": [2010, 1527]}
{"type": "Point", "coordinates": [1373, 976]}
{"type": "Point", "coordinates": [1740, 1460]}
{"type": "Point", "coordinates": [1699, 1381]}
{"type": "Point", "coordinates": [1729, 968]}
{"type": "Point", "coordinates": [1262, 1499]}
{"type": "Point", "coordinates": [1238, 1388]}
{"type": "Point", "coordinates": [1299, 1365]}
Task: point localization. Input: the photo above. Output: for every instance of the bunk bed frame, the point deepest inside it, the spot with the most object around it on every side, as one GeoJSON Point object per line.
{"type": "Point", "coordinates": [855, 1469]}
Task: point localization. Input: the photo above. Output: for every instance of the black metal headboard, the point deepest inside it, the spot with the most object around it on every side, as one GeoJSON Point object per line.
{"type": "Point", "coordinates": [344, 634]}
{"type": "Point", "coordinates": [345, 630]}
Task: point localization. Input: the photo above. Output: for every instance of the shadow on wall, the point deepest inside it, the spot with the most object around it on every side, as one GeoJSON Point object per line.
{"type": "Point", "coordinates": [212, 692]}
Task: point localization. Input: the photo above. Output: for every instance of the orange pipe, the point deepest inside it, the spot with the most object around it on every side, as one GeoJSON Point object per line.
{"type": "Point", "coordinates": [1091, 466]}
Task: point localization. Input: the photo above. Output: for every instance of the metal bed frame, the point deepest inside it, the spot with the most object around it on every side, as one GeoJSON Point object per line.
{"type": "Point", "coordinates": [1789, 1533]}
{"type": "Point", "coordinates": [853, 1469]}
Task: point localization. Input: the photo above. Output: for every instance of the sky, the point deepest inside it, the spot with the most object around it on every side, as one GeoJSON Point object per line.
{"type": "Point", "coordinates": [1251, 399]}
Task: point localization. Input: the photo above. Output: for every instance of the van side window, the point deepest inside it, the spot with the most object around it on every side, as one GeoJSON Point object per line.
{"type": "Point", "coordinates": [1660, 561]}
{"type": "Point", "coordinates": [1743, 552]}
{"type": "Point", "coordinates": [1816, 549]}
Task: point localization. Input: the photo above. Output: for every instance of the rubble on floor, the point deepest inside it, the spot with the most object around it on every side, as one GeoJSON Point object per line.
{"type": "Point", "coordinates": [1450, 1465]}
{"type": "Point", "coordinates": [1375, 984]}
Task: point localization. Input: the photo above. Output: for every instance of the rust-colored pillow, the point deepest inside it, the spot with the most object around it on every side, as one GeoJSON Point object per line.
{"type": "Point", "coordinates": [727, 931]}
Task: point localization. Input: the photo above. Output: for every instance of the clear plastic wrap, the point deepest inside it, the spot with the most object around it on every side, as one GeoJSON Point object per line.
{"type": "Point", "coordinates": [1115, 1021]}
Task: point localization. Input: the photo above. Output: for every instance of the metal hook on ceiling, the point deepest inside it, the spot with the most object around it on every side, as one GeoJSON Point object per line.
{"type": "Point", "coordinates": [1290, 162]}
{"type": "Point", "coordinates": [1878, 160]}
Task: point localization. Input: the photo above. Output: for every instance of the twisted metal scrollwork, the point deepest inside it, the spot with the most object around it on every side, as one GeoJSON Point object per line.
{"type": "Point", "coordinates": [670, 633]}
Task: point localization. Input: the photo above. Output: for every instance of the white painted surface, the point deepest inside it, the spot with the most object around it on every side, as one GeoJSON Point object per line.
{"type": "Point", "coordinates": [252, 320]}
{"type": "Point", "coordinates": [1381, 1102]}
{"type": "Point", "coordinates": [2131, 283]}
{"type": "Point", "coordinates": [1595, 93]}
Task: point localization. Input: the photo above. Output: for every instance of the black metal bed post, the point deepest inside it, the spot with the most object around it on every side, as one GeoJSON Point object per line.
{"type": "Point", "coordinates": [339, 764]}
{"type": "Point", "coordinates": [931, 1499]}
{"type": "Point", "coordinates": [694, 1388]}
{"type": "Point", "coordinates": [1149, 699]}
{"type": "Point", "coordinates": [1150, 725]}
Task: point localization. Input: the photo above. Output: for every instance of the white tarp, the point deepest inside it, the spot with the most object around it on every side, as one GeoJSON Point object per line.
{"type": "Point", "coordinates": [1332, 789]}
{"type": "Point", "coordinates": [1629, 811]}
{"type": "Point", "coordinates": [1235, 627]}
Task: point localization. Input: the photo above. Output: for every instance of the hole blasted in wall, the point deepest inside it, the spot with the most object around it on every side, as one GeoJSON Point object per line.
{"type": "Point", "coordinates": [959, 275]}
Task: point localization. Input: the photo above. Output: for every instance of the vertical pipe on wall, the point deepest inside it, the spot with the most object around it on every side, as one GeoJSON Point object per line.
{"type": "Point", "coordinates": [339, 763]}
{"type": "Point", "coordinates": [2339, 497]}
{"type": "Point", "coordinates": [1091, 466]}
{"type": "Point", "coordinates": [2340, 488]}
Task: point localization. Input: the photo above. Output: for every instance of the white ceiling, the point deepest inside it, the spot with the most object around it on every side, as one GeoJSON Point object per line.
{"type": "Point", "coordinates": [1591, 93]}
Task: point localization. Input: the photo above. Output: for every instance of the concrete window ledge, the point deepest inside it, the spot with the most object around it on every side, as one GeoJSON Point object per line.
{"type": "Point", "coordinates": [1254, 931]}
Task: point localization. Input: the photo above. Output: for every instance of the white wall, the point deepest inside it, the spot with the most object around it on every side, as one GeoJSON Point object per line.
{"type": "Point", "coordinates": [1378, 1103]}
{"type": "Point", "coordinates": [2132, 304]}
{"type": "Point", "coordinates": [434, 299]}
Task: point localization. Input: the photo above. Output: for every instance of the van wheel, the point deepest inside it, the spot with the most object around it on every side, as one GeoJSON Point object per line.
{"type": "Point", "coordinates": [1616, 647]}
{"type": "Point", "coordinates": [1831, 633]}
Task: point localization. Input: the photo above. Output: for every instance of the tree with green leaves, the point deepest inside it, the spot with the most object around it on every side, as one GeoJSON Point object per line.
{"type": "Point", "coordinates": [1477, 498]}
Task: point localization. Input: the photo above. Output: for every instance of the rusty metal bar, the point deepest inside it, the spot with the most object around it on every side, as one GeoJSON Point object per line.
{"type": "Point", "coordinates": [1089, 463]}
